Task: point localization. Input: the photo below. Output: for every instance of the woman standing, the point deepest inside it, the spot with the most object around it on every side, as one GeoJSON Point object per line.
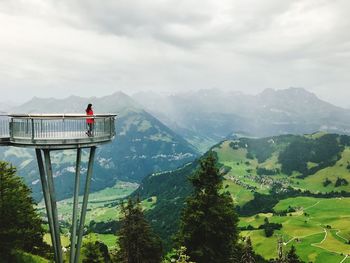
{"type": "Point", "coordinates": [89, 121]}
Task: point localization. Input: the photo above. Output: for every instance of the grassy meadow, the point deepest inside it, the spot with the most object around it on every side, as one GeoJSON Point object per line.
{"type": "Point", "coordinates": [319, 228]}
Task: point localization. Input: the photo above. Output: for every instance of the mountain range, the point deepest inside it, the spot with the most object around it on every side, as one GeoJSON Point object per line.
{"type": "Point", "coordinates": [284, 155]}
{"type": "Point", "coordinates": [142, 145]}
{"type": "Point", "coordinates": [205, 117]}
{"type": "Point", "coordinates": [157, 132]}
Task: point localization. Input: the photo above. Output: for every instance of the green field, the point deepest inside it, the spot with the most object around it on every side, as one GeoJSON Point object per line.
{"type": "Point", "coordinates": [314, 182]}
{"type": "Point", "coordinates": [319, 228]}
{"type": "Point", "coordinates": [320, 236]}
{"type": "Point", "coordinates": [108, 239]}
{"type": "Point", "coordinates": [239, 194]}
{"type": "Point", "coordinates": [244, 170]}
{"type": "Point", "coordinates": [24, 257]}
{"type": "Point", "coordinates": [101, 207]}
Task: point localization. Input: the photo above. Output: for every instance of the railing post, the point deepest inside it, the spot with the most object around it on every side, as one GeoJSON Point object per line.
{"type": "Point", "coordinates": [11, 129]}
{"type": "Point", "coordinates": [27, 127]}
{"type": "Point", "coordinates": [32, 122]}
{"type": "Point", "coordinates": [110, 126]}
{"type": "Point", "coordinates": [104, 126]}
{"type": "Point", "coordinates": [63, 127]}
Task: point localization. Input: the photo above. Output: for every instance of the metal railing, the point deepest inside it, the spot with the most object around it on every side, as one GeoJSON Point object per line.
{"type": "Point", "coordinates": [50, 127]}
{"type": "Point", "coordinates": [4, 126]}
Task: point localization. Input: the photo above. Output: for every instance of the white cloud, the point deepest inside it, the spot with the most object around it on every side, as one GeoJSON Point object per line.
{"type": "Point", "coordinates": [90, 47]}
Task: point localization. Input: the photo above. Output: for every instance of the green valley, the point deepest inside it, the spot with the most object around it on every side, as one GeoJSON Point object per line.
{"type": "Point", "coordinates": [298, 182]}
{"type": "Point", "coordinates": [268, 179]}
{"type": "Point", "coordinates": [174, 131]}
{"type": "Point", "coordinates": [314, 217]}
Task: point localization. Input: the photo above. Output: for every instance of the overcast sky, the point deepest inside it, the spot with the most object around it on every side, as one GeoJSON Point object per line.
{"type": "Point", "coordinates": [55, 48]}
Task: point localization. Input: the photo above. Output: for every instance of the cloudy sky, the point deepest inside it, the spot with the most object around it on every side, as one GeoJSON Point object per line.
{"type": "Point", "coordinates": [55, 48]}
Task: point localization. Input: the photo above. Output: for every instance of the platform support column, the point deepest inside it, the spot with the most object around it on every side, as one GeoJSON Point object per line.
{"type": "Point", "coordinates": [75, 207]}
{"type": "Point", "coordinates": [53, 204]}
{"type": "Point", "coordinates": [46, 178]}
{"type": "Point", "coordinates": [47, 199]}
{"type": "Point", "coordinates": [47, 182]}
{"type": "Point", "coordinates": [85, 201]}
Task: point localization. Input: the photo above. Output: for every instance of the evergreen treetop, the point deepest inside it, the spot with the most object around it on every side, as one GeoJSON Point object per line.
{"type": "Point", "coordinates": [208, 227]}
{"type": "Point", "coordinates": [248, 253]}
{"type": "Point", "coordinates": [20, 225]}
{"type": "Point", "coordinates": [91, 252]}
{"type": "Point", "coordinates": [292, 256]}
{"type": "Point", "coordinates": [137, 241]}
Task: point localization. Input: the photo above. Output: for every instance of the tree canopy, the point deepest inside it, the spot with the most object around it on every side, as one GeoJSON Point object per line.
{"type": "Point", "coordinates": [20, 224]}
{"type": "Point", "coordinates": [292, 256]}
{"type": "Point", "coordinates": [92, 252]}
{"type": "Point", "coordinates": [137, 241]}
{"type": "Point", "coordinates": [208, 227]}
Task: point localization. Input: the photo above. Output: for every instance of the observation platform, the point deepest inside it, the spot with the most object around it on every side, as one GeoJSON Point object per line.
{"type": "Point", "coordinates": [55, 131]}
{"type": "Point", "coordinates": [47, 132]}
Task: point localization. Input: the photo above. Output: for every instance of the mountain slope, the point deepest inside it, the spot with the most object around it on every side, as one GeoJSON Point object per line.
{"type": "Point", "coordinates": [258, 173]}
{"type": "Point", "coordinates": [208, 116]}
{"type": "Point", "coordinates": [142, 145]}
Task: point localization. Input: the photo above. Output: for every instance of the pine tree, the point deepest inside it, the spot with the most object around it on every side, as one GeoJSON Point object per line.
{"type": "Point", "coordinates": [92, 252]}
{"type": "Point", "coordinates": [208, 227]}
{"type": "Point", "coordinates": [248, 253]}
{"type": "Point", "coordinates": [292, 256]}
{"type": "Point", "coordinates": [137, 242]}
{"type": "Point", "coordinates": [20, 224]}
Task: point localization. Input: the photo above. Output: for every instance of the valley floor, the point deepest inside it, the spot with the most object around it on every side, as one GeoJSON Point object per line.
{"type": "Point", "coordinates": [319, 229]}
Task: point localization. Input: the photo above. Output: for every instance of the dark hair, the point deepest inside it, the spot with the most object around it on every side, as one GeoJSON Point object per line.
{"type": "Point", "coordinates": [88, 107]}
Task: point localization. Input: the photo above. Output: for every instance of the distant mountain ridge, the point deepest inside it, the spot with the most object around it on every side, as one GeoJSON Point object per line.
{"type": "Point", "coordinates": [142, 145]}
{"type": "Point", "coordinates": [205, 117]}
{"type": "Point", "coordinates": [115, 103]}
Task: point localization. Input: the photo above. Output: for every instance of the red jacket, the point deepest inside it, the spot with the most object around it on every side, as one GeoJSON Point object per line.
{"type": "Point", "coordinates": [90, 112]}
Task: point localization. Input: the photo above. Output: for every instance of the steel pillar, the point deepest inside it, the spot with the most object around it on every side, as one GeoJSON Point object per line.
{"type": "Point", "coordinates": [73, 236]}
{"type": "Point", "coordinates": [47, 182]}
{"type": "Point", "coordinates": [47, 198]}
{"type": "Point", "coordinates": [84, 205]}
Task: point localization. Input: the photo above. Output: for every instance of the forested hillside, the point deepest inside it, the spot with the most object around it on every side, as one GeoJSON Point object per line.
{"type": "Point", "coordinates": [261, 174]}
